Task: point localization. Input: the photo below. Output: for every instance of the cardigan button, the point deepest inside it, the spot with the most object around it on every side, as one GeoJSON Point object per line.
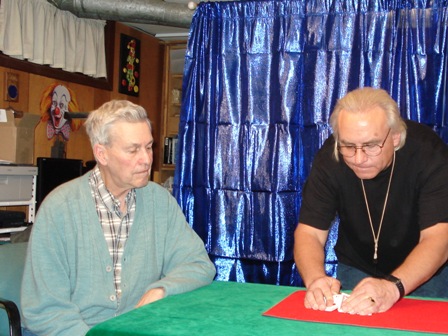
{"type": "Point", "coordinates": [113, 298]}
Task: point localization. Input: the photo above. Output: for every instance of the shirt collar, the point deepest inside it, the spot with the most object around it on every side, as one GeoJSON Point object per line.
{"type": "Point", "coordinates": [111, 203]}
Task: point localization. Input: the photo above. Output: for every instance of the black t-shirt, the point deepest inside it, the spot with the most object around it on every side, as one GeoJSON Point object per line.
{"type": "Point", "coordinates": [418, 199]}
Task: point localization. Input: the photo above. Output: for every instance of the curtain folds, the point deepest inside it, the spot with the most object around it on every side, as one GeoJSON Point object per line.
{"type": "Point", "coordinates": [37, 31]}
{"type": "Point", "coordinates": [260, 81]}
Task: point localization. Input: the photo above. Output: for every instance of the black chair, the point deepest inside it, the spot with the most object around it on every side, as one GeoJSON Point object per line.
{"type": "Point", "coordinates": [13, 317]}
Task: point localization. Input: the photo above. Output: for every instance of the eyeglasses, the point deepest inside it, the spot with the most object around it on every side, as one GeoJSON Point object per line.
{"type": "Point", "coordinates": [368, 149]}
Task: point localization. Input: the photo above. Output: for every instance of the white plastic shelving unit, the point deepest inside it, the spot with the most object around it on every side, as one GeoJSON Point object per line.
{"type": "Point", "coordinates": [18, 188]}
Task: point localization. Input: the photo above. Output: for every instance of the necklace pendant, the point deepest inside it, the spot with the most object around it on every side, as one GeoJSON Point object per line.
{"type": "Point", "coordinates": [375, 256]}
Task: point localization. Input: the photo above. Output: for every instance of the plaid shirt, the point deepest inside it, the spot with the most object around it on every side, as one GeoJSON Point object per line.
{"type": "Point", "coordinates": [115, 224]}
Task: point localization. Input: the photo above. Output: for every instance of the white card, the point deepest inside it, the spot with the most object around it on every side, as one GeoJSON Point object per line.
{"type": "Point", "coordinates": [337, 299]}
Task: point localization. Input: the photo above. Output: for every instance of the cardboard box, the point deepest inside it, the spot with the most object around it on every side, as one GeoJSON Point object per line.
{"type": "Point", "coordinates": [17, 137]}
{"type": "Point", "coordinates": [16, 183]}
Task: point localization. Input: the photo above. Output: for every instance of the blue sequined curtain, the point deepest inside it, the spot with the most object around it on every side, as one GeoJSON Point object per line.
{"type": "Point", "coordinates": [260, 81]}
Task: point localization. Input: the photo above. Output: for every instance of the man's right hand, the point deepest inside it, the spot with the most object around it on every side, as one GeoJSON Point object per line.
{"type": "Point", "coordinates": [320, 293]}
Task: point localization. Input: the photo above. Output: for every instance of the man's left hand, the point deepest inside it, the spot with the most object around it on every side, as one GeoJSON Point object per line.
{"type": "Point", "coordinates": [371, 296]}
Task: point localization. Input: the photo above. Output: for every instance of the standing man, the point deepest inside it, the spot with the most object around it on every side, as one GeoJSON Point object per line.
{"type": "Point", "coordinates": [387, 180]}
{"type": "Point", "coordinates": [109, 241]}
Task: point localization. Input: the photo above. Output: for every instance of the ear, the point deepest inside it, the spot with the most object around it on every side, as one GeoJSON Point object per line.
{"type": "Point", "coordinates": [396, 137]}
{"type": "Point", "coordinates": [100, 153]}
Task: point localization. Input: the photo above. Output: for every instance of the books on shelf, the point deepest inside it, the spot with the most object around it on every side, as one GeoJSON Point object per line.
{"type": "Point", "coordinates": [170, 149]}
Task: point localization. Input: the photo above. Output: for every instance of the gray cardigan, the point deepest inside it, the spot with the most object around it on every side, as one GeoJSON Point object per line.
{"type": "Point", "coordinates": [68, 283]}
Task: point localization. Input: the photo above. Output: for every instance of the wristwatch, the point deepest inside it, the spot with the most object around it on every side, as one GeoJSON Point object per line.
{"type": "Point", "coordinates": [397, 283]}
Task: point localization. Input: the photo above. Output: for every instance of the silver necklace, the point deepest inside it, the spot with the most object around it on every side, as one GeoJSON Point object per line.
{"type": "Point", "coordinates": [376, 237]}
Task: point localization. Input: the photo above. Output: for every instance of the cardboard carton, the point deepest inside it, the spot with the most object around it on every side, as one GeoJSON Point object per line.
{"type": "Point", "coordinates": [17, 137]}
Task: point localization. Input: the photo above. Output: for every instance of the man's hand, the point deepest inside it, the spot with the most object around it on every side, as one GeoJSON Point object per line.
{"type": "Point", "coordinates": [320, 293]}
{"type": "Point", "coordinates": [151, 296]}
{"type": "Point", "coordinates": [370, 296]}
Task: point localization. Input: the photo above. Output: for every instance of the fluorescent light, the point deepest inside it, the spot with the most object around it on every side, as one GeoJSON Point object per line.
{"type": "Point", "coordinates": [167, 35]}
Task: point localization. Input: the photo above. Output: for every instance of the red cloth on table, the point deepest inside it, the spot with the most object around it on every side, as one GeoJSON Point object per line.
{"type": "Point", "coordinates": [407, 314]}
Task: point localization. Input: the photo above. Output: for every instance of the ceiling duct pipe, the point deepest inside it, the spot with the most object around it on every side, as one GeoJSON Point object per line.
{"type": "Point", "coordinates": [157, 12]}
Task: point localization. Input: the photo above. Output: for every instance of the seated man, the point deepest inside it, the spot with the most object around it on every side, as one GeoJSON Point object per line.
{"type": "Point", "coordinates": [109, 241]}
{"type": "Point", "coordinates": [387, 179]}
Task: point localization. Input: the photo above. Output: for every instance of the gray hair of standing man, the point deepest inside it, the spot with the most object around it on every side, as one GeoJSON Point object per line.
{"type": "Point", "coordinates": [362, 100]}
{"type": "Point", "coordinates": [100, 121]}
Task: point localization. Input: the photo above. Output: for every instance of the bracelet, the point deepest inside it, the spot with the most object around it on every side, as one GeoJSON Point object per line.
{"type": "Point", "coordinates": [397, 283]}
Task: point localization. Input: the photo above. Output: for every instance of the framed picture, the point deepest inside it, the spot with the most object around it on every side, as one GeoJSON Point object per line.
{"type": "Point", "coordinates": [129, 82]}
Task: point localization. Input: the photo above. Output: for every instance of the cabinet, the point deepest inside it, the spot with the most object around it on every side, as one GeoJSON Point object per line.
{"type": "Point", "coordinates": [18, 188]}
{"type": "Point", "coordinates": [171, 105]}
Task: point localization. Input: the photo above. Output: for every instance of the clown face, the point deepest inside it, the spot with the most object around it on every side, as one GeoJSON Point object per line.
{"type": "Point", "coordinates": [59, 106]}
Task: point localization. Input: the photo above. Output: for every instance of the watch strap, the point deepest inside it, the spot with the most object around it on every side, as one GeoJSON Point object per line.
{"type": "Point", "coordinates": [397, 283]}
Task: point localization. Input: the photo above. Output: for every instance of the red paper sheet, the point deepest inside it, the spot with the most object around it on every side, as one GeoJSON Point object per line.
{"type": "Point", "coordinates": [407, 314]}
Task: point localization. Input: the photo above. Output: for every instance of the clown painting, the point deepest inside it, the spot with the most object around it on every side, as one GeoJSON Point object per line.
{"type": "Point", "coordinates": [56, 104]}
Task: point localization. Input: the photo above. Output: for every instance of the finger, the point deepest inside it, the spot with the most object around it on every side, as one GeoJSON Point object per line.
{"type": "Point", "coordinates": [349, 305]}
{"type": "Point", "coordinates": [335, 286]}
{"type": "Point", "coordinates": [310, 301]}
{"type": "Point", "coordinates": [365, 305]}
{"type": "Point", "coordinates": [328, 298]}
{"type": "Point", "coordinates": [314, 299]}
{"type": "Point", "coordinates": [369, 306]}
{"type": "Point", "coordinates": [323, 299]}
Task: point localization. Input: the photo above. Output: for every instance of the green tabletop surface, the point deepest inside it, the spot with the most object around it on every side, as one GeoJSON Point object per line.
{"type": "Point", "coordinates": [225, 308]}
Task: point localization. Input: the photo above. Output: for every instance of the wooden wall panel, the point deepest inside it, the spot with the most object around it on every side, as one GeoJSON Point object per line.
{"type": "Point", "coordinates": [32, 86]}
{"type": "Point", "coordinates": [22, 103]}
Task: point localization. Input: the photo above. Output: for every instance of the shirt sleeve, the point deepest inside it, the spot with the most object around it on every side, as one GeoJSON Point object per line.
{"type": "Point", "coordinates": [320, 197]}
{"type": "Point", "coordinates": [433, 197]}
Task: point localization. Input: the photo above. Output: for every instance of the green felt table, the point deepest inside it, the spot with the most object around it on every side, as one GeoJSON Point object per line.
{"type": "Point", "coordinates": [225, 308]}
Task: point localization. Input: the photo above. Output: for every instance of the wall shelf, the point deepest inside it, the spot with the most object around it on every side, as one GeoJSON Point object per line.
{"type": "Point", "coordinates": [171, 108]}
